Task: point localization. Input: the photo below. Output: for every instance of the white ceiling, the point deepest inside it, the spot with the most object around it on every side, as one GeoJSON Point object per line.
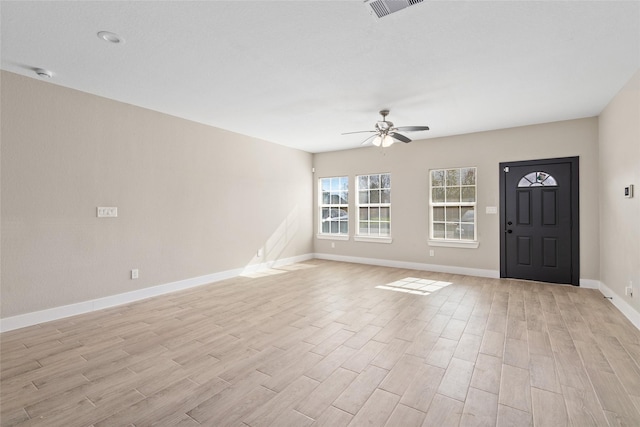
{"type": "Point", "coordinates": [299, 73]}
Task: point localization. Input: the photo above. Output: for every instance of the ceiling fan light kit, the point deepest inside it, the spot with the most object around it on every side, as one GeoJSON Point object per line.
{"type": "Point", "coordinates": [385, 133]}
{"type": "Point", "coordinates": [382, 141]}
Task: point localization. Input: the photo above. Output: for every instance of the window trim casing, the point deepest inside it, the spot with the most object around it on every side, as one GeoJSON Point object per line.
{"type": "Point", "coordinates": [369, 238]}
{"type": "Point", "coordinates": [453, 243]}
{"type": "Point", "coordinates": [331, 236]}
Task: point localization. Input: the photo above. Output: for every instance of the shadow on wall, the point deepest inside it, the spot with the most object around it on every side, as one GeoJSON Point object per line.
{"type": "Point", "coordinates": [268, 255]}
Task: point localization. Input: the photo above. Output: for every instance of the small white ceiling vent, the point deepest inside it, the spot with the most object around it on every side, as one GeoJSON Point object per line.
{"type": "Point", "coordinates": [387, 7]}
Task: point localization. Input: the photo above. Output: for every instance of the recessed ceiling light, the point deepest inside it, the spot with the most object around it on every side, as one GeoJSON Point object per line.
{"type": "Point", "coordinates": [43, 73]}
{"type": "Point", "coordinates": [110, 37]}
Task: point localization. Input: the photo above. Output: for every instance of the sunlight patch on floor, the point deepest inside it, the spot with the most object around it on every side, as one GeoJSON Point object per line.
{"type": "Point", "coordinates": [262, 273]}
{"type": "Point", "coordinates": [415, 286]}
{"type": "Point", "coordinates": [265, 272]}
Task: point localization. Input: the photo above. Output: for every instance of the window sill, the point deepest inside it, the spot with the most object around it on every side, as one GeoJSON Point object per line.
{"type": "Point", "coordinates": [372, 239]}
{"type": "Point", "coordinates": [454, 244]}
{"type": "Point", "coordinates": [332, 236]}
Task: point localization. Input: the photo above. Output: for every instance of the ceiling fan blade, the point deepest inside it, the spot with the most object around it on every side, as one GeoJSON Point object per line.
{"type": "Point", "coordinates": [412, 128]}
{"type": "Point", "coordinates": [360, 131]}
{"type": "Point", "coordinates": [367, 140]}
{"type": "Point", "coordinates": [399, 137]}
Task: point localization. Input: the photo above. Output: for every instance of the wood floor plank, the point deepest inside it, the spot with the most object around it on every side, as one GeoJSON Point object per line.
{"type": "Point", "coordinates": [364, 356]}
{"type": "Point", "coordinates": [548, 408]}
{"type": "Point", "coordinates": [423, 343]}
{"type": "Point", "coordinates": [333, 417]}
{"type": "Point", "coordinates": [493, 343]}
{"type": "Point", "coordinates": [516, 353]}
{"type": "Point", "coordinates": [486, 373]}
{"type": "Point", "coordinates": [511, 417]}
{"type": "Point", "coordinates": [583, 408]}
{"type": "Point", "coordinates": [276, 365]}
{"type": "Point", "coordinates": [232, 400]}
{"type": "Point", "coordinates": [321, 398]}
{"type": "Point", "coordinates": [516, 328]}
{"type": "Point", "coordinates": [362, 337]}
{"type": "Point", "coordinates": [396, 381]}
{"type": "Point", "coordinates": [612, 395]}
{"type": "Point", "coordinates": [405, 416]}
{"type": "Point", "coordinates": [457, 377]}
{"type": "Point", "coordinates": [152, 407]}
{"type": "Point", "coordinates": [422, 387]}
{"type": "Point", "coordinates": [359, 391]}
{"type": "Point", "coordinates": [543, 373]}
{"type": "Point", "coordinates": [476, 325]}
{"type": "Point", "coordinates": [244, 403]}
{"type": "Point", "coordinates": [454, 329]}
{"type": "Point", "coordinates": [480, 409]}
{"type": "Point", "coordinates": [286, 376]}
{"type": "Point", "coordinates": [515, 389]}
{"type": "Point", "coordinates": [442, 352]}
{"type": "Point", "coordinates": [390, 354]}
{"type": "Point", "coordinates": [332, 360]}
{"type": "Point", "coordinates": [292, 418]}
{"type": "Point", "coordinates": [444, 411]}
{"type": "Point", "coordinates": [376, 410]}
{"type": "Point", "coordinates": [282, 402]}
{"type": "Point", "coordinates": [626, 369]}
{"type": "Point", "coordinates": [571, 371]}
{"type": "Point", "coordinates": [468, 347]}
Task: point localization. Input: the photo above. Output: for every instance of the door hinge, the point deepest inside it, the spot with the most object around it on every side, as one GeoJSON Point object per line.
{"type": "Point", "coordinates": [506, 169]}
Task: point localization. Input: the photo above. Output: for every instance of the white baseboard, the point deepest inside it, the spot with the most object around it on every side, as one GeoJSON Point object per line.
{"type": "Point", "coordinates": [619, 302]}
{"type": "Point", "coordinates": [590, 284]}
{"type": "Point", "coordinates": [495, 274]}
{"type": "Point", "coordinates": [36, 317]}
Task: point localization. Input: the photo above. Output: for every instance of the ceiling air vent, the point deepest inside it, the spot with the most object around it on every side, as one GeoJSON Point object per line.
{"type": "Point", "coordinates": [387, 7]}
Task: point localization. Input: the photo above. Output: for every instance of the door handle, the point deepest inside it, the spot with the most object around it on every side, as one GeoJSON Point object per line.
{"type": "Point", "coordinates": [509, 231]}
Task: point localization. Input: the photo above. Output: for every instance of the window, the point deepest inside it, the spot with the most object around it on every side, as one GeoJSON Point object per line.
{"type": "Point", "coordinates": [537, 179]}
{"type": "Point", "coordinates": [334, 206]}
{"type": "Point", "coordinates": [453, 206]}
{"type": "Point", "coordinates": [374, 206]}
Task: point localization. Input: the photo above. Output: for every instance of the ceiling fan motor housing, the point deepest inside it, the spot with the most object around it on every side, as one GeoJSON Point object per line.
{"type": "Point", "coordinates": [383, 126]}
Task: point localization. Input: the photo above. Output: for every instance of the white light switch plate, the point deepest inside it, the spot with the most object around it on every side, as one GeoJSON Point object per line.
{"type": "Point", "coordinates": [107, 212]}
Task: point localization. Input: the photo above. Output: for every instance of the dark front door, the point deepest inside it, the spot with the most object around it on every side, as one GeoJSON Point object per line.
{"type": "Point", "coordinates": [539, 216]}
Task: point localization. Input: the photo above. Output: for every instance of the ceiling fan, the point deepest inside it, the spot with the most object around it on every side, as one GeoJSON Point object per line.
{"type": "Point", "coordinates": [386, 133]}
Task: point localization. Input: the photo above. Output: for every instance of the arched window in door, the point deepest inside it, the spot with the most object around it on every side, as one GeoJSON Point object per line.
{"type": "Point", "coordinates": [537, 179]}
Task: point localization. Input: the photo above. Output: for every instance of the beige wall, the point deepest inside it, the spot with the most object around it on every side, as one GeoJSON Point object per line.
{"type": "Point", "coordinates": [409, 165]}
{"type": "Point", "coordinates": [192, 200]}
{"type": "Point", "coordinates": [619, 217]}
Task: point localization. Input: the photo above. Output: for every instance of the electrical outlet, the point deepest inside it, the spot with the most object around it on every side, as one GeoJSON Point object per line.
{"type": "Point", "coordinates": [134, 273]}
{"type": "Point", "coordinates": [629, 289]}
{"type": "Point", "coordinates": [333, 245]}
{"type": "Point", "coordinates": [432, 252]}
{"type": "Point", "coordinates": [260, 253]}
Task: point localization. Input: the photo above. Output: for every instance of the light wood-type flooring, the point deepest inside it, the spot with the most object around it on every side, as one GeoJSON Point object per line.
{"type": "Point", "coordinates": [317, 343]}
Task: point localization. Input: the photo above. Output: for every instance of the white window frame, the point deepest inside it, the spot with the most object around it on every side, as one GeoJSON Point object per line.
{"type": "Point", "coordinates": [368, 237]}
{"type": "Point", "coordinates": [455, 242]}
{"type": "Point", "coordinates": [322, 205]}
